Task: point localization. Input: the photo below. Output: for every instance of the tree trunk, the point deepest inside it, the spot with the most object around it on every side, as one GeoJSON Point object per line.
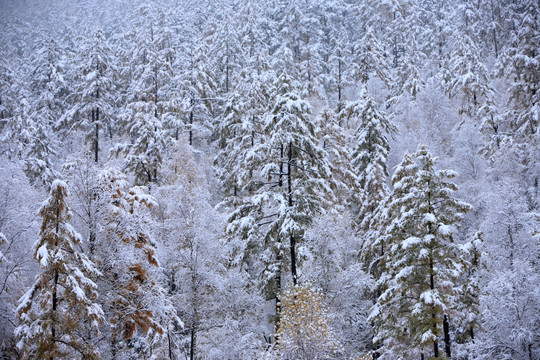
{"type": "Point", "coordinates": [292, 239]}
{"type": "Point", "coordinates": [96, 143]}
{"type": "Point", "coordinates": [339, 82]}
{"type": "Point", "coordinates": [280, 182]}
{"type": "Point", "coordinates": [191, 124]}
{"type": "Point", "coordinates": [54, 307]}
{"type": "Point", "coordinates": [495, 43]}
{"type": "Point", "coordinates": [92, 241]}
{"type": "Point", "coordinates": [512, 245]}
{"type": "Point", "coordinates": [278, 292]}
{"type": "Point", "coordinates": [227, 70]}
{"type": "Point", "coordinates": [446, 328]}
{"type": "Point", "coordinates": [432, 287]}
{"type": "Point", "coordinates": [170, 346]}
{"type": "Point", "coordinates": [192, 343]}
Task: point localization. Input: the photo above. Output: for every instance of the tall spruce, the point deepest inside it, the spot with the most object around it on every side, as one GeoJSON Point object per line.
{"type": "Point", "coordinates": [421, 264]}
{"type": "Point", "coordinates": [58, 315]}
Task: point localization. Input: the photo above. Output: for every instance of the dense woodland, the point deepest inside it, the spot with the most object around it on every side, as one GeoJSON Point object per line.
{"type": "Point", "coordinates": [279, 179]}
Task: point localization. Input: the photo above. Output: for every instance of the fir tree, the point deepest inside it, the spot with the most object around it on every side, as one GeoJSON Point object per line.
{"type": "Point", "coordinates": [422, 261]}
{"type": "Point", "coordinates": [139, 311]}
{"type": "Point", "coordinates": [92, 101]}
{"type": "Point", "coordinates": [370, 155]}
{"type": "Point", "coordinates": [58, 315]}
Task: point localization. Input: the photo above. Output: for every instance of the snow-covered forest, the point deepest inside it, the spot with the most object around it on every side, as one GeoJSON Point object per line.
{"type": "Point", "coordinates": [270, 179]}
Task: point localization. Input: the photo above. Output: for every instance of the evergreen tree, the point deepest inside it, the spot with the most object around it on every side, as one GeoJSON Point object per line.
{"type": "Point", "coordinates": [371, 59]}
{"type": "Point", "coordinates": [422, 260]}
{"type": "Point", "coordinates": [520, 63]}
{"type": "Point", "coordinates": [7, 91]}
{"type": "Point", "coordinates": [335, 142]}
{"type": "Point", "coordinates": [470, 75]}
{"type": "Point", "coordinates": [295, 166]}
{"type": "Point", "coordinates": [198, 82]}
{"type": "Point", "coordinates": [49, 86]}
{"type": "Point", "coordinates": [58, 314]}
{"type": "Point", "coordinates": [92, 101]}
{"type": "Point", "coordinates": [370, 155]}
{"type": "Point", "coordinates": [143, 117]}
{"type": "Point", "coordinates": [137, 306]}
{"type": "Point", "coordinates": [291, 186]}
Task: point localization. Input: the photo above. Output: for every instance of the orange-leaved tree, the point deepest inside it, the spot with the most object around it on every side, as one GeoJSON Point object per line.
{"type": "Point", "coordinates": [138, 308]}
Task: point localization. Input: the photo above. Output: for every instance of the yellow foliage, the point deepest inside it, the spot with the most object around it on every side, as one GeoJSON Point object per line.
{"type": "Point", "coordinates": [303, 330]}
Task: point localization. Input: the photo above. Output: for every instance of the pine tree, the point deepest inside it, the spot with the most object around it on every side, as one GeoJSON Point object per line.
{"type": "Point", "coordinates": [92, 101]}
{"type": "Point", "coordinates": [295, 167]}
{"type": "Point", "coordinates": [58, 315]}
{"type": "Point", "coordinates": [198, 82]}
{"type": "Point", "coordinates": [138, 309]}
{"type": "Point", "coordinates": [291, 185]}
{"type": "Point", "coordinates": [469, 297]}
{"type": "Point", "coordinates": [370, 155]}
{"type": "Point", "coordinates": [143, 117]}
{"type": "Point", "coordinates": [470, 77]}
{"type": "Point", "coordinates": [45, 110]}
{"type": "Point", "coordinates": [422, 261]}
{"type": "Point", "coordinates": [335, 142]}
{"type": "Point", "coordinates": [7, 91]}
{"type": "Point", "coordinates": [226, 51]}
{"type": "Point", "coordinates": [520, 64]}
{"type": "Point", "coordinates": [371, 59]}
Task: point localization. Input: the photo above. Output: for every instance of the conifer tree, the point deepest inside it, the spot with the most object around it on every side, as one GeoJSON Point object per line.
{"type": "Point", "coordinates": [335, 142]}
{"type": "Point", "coordinates": [143, 117]}
{"type": "Point", "coordinates": [291, 185]}
{"type": "Point", "coordinates": [198, 83]}
{"type": "Point", "coordinates": [422, 261]}
{"type": "Point", "coordinates": [58, 315]}
{"type": "Point", "coordinates": [371, 59]}
{"type": "Point", "coordinates": [295, 166]}
{"type": "Point", "coordinates": [236, 139]}
{"type": "Point", "coordinates": [48, 85]}
{"type": "Point", "coordinates": [468, 319]}
{"type": "Point", "coordinates": [226, 51]}
{"type": "Point", "coordinates": [138, 309]}
{"type": "Point", "coordinates": [92, 101]}
{"type": "Point", "coordinates": [370, 155]}
{"type": "Point", "coordinates": [7, 91]}
{"type": "Point", "coordinates": [520, 63]}
{"type": "Point", "coordinates": [470, 77]}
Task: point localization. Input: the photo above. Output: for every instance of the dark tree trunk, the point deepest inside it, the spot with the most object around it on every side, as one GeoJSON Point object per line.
{"type": "Point", "coordinates": [292, 239]}
{"type": "Point", "coordinates": [278, 292]}
{"type": "Point", "coordinates": [191, 124]}
{"type": "Point", "coordinates": [227, 71]}
{"type": "Point", "coordinates": [432, 287]}
{"type": "Point", "coordinates": [339, 81]}
{"type": "Point", "coordinates": [446, 328]}
{"type": "Point", "coordinates": [280, 183]}
{"type": "Point", "coordinates": [92, 241]}
{"type": "Point", "coordinates": [96, 144]}
{"type": "Point", "coordinates": [192, 343]}
{"type": "Point", "coordinates": [170, 346]}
